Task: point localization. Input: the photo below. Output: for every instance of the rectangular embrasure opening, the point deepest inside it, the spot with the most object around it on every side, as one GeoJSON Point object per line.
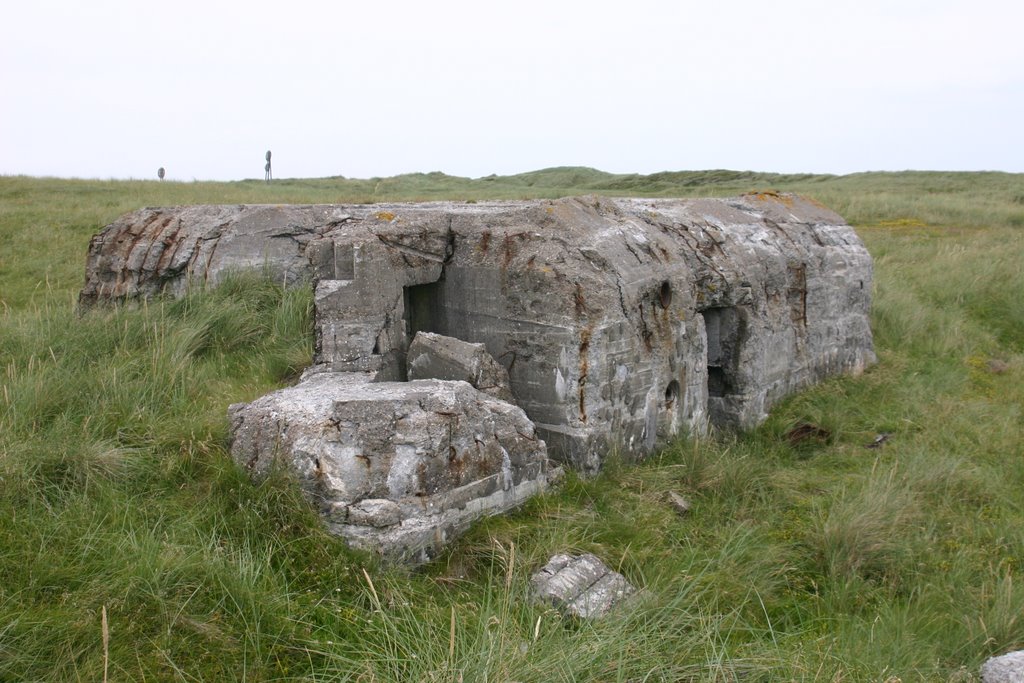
{"type": "Point", "coordinates": [423, 309]}
{"type": "Point", "coordinates": [722, 329]}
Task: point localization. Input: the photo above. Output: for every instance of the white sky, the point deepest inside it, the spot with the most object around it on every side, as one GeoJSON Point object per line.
{"type": "Point", "coordinates": [115, 89]}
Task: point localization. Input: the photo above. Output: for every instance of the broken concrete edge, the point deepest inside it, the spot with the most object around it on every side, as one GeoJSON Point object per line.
{"type": "Point", "coordinates": [417, 540]}
{"type": "Point", "coordinates": [176, 250]}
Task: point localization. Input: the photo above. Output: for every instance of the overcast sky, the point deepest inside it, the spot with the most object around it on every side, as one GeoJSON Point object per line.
{"type": "Point", "coordinates": [116, 89]}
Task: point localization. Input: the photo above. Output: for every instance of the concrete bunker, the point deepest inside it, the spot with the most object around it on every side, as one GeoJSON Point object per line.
{"type": "Point", "coordinates": [618, 322]}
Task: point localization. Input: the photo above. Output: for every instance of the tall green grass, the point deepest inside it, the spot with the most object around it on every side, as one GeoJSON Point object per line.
{"type": "Point", "coordinates": [800, 560]}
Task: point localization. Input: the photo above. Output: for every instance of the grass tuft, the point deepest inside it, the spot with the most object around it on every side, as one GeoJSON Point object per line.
{"type": "Point", "coordinates": [867, 533]}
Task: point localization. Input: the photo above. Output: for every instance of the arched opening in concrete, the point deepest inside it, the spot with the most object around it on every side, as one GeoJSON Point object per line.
{"type": "Point", "coordinates": [671, 395]}
{"type": "Point", "coordinates": [665, 294]}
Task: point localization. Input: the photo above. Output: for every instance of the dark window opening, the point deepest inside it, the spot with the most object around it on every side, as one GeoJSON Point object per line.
{"type": "Point", "coordinates": [665, 295]}
{"type": "Point", "coordinates": [723, 329]}
{"type": "Point", "coordinates": [717, 383]}
{"type": "Point", "coordinates": [671, 394]}
{"type": "Point", "coordinates": [423, 309]}
{"type": "Point", "coordinates": [422, 312]}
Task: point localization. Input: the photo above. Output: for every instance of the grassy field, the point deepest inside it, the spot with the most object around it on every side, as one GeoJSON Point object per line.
{"type": "Point", "coordinates": [131, 548]}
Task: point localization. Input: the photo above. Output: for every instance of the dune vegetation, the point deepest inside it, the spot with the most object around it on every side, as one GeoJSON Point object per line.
{"type": "Point", "coordinates": [132, 548]}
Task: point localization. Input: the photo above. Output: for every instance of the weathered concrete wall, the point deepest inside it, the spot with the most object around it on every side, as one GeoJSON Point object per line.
{"type": "Point", "coordinates": [167, 250]}
{"type": "Point", "coordinates": [619, 321]}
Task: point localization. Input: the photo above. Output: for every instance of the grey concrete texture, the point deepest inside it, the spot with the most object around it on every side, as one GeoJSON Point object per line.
{"type": "Point", "coordinates": [435, 356]}
{"type": "Point", "coordinates": [1008, 668]}
{"type": "Point", "coordinates": [168, 250]}
{"type": "Point", "coordinates": [580, 585]}
{"type": "Point", "coordinates": [394, 467]}
{"type": "Point", "coordinates": [620, 322]}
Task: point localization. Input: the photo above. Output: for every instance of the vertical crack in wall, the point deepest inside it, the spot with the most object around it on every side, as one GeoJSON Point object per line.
{"type": "Point", "coordinates": [796, 295]}
{"type": "Point", "coordinates": [584, 370]}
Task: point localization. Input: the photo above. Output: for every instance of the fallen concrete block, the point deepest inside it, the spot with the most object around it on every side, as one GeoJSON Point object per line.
{"type": "Point", "coordinates": [580, 585]}
{"type": "Point", "coordinates": [395, 467]}
{"type": "Point", "coordinates": [435, 356]}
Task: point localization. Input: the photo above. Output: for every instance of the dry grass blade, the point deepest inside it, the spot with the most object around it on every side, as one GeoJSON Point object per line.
{"type": "Point", "coordinates": [106, 642]}
{"type": "Point", "coordinates": [451, 637]}
{"type": "Point", "coordinates": [373, 591]}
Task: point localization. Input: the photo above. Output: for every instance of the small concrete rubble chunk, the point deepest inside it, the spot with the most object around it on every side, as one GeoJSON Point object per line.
{"type": "Point", "coordinates": [1008, 668]}
{"type": "Point", "coordinates": [399, 468]}
{"type": "Point", "coordinates": [580, 585]}
{"type": "Point", "coordinates": [680, 504]}
{"type": "Point", "coordinates": [435, 356]}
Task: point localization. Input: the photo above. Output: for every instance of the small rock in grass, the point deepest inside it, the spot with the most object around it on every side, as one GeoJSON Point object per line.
{"type": "Point", "coordinates": [681, 505]}
{"type": "Point", "coordinates": [1008, 668]}
{"type": "Point", "coordinates": [879, 440]}
{"type": "Point", "coordinates": [580, 585]}
{"type": "Point", "coordinates": [997, 366]}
